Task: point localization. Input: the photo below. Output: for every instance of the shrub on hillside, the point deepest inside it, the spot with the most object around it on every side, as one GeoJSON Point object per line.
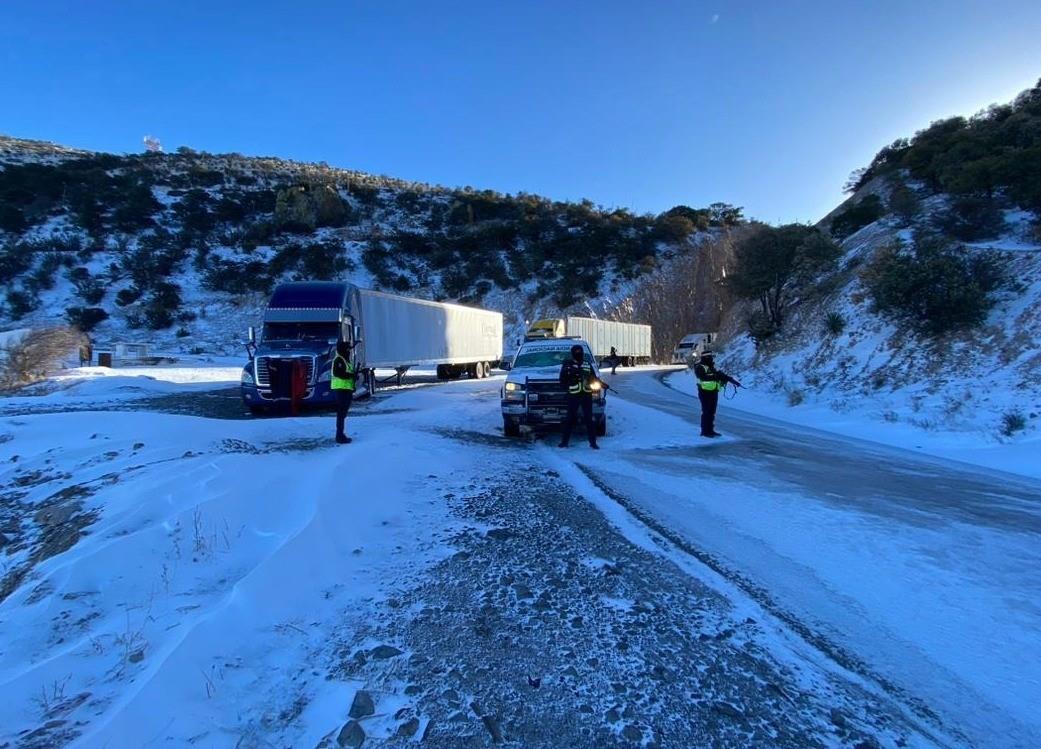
{"type": "Point", "coordinates": [195, 214]}
{"type": "Point", "coordinates": [322, 261]}
{"type": "Point", "coordinates": [761, 327]}
{"type": "Point", "coordinates": [89, 288]}
{"type": "Point", "coordinates": [234, 277]}
{"type": "Point", "coordinates": [700, 218]}
{"type": "Point", "coordinates": [904, 202]}
{"type": "Point", "coordinates": [971, 219]}
{"type": "Point", "coordinates": [935, 286]}
{"type": "Point", "coordinates": [329, 208]}
{"type": "Point", "coordinates": [136, 209]}
{"type": "Point", "coordinates": [127, 296]}
{"type": "Point", "coordinates": [834, 323]}
{"type": "Point", "coordinates": [42, 279]}
{"type": "Point", "coordinates": [294, 211]}
{"type": "Point", "coordinates": [1013, 421]}
{"type": "Point", "coordinates": [12, 219]}
{"type": "Point", "coordinates": [20, 303]}
{"type": "Point", "coordinates": [161, 305]}
{"type": "Point", "coordinates": [15, 259]}
{"type": "Point", "coordinates": [673, 228]}
{"type": "Point", "coordinates": [857, 216]}
{"type": "Point", "coordinates": [85, 318]}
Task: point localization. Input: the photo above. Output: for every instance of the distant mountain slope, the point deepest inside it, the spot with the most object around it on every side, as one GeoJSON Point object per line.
{"type": "Point", "coordinates": [181, 249]}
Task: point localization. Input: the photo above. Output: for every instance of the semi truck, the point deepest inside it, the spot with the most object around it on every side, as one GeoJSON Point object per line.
{"type": "Point", "coordinates": [291, 359]}
{"type": "Point", "coordinates": [631, 341]}
{"type": "Point", "coordinates": [691, 345]}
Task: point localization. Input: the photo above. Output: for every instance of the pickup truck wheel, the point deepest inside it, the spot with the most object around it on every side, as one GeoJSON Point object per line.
{"type": "Point", "coordinates": [510, 429]}
{"type": "Point", "coordinates": [601, 427]}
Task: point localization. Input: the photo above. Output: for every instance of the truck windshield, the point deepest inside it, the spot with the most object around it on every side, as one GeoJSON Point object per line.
{"type": "Point", "coordinates": [543, 358]}
{"type": "Point", "coordinates": [301, 331]}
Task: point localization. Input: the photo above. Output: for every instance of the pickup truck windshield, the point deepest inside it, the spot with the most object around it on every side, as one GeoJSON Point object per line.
{"type": "Point", "coordinates": [542, 358]}
{"type": "Point", "coordinates": [301, 331]}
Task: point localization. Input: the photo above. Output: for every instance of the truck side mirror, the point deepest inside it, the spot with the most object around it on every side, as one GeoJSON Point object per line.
{"type": "Point", "coordinates": [357, 333]}
{"type": "Point", "coordinates": [252, 334]}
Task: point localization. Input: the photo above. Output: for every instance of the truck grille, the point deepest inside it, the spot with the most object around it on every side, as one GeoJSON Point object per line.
{"type": "Point", "coordinates": [548, 394]}
{"type": "Point", "coordinates": [263, 369]}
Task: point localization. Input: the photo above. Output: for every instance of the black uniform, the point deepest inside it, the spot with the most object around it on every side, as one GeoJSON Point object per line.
{"type": "Point", "coordinates": [577, 376]}
{"type": "Point", "coordinates": [710, 382]}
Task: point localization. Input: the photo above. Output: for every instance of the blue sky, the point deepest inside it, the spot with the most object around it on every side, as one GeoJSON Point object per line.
{"type": "Point", "coordinates": [765, 104]}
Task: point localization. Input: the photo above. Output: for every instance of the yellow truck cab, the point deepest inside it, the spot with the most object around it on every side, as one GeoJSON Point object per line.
{"type": "Point", "coordinates": [551, 328]}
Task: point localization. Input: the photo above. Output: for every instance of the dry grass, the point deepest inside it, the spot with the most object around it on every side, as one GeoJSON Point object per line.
{"type": "Point", "coordinates": [36, 355]}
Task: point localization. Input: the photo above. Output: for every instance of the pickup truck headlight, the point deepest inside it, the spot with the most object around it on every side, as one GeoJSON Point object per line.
{"type": "Point", "coordinates": [595, 386]}
{"type": "Point", "coordinates": [513, 386]}
{"type": "Point", "coordinates": [247, 377]}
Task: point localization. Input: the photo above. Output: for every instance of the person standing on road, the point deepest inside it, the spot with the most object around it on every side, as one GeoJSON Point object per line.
{"type": "Point", "coordinates": [342, 381]}
{"type": "Point", "coordinates": [578, 376]}
{"type": "Point", "coordinates": [710, 382]}
{"type": "Point", "coordinates": [613, 358]}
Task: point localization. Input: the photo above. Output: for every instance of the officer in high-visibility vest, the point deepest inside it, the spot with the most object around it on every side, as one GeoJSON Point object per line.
{"type": "Point", "coordinates": [342, 382]}
{"type": "Point", "coordinates": [710, 382]}
{"type": "Point", "coordinates": [578, 375]}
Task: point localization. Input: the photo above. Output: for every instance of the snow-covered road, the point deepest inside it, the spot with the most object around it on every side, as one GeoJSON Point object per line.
{"type": "Point", "coordinates": [922, 574]}
{"type": "Point", "coordinates": [173, 574]}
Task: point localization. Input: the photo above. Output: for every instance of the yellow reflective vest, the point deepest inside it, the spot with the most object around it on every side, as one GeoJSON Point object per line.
{"type": "Point", "coordinates": [342, 383]}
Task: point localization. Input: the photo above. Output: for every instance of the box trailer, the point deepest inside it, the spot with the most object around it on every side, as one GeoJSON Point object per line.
{"type": "Point", "coordinates": [304, 321]}
{"type": "Point", "coordinates": [631, 341]}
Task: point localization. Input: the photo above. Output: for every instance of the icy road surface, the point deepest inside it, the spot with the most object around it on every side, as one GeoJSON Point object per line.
{"type": "Point", "coordinates": [172, 574]}
{"type": "Point", "coordinates": [922, 574]}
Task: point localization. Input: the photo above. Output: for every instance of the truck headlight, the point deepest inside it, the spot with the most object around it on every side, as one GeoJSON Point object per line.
{"type": "Point", "coordinates": [513, 386]}
{"type": "Point", "coordinates": [595, 386]}
{"type": "Point", "coordinates": [247, 377]}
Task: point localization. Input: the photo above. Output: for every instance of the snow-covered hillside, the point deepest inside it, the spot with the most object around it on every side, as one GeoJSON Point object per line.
{"type": "Point", "coordinates": [180, 250]}
{"type": "Point", "coordinates": [979, 381]}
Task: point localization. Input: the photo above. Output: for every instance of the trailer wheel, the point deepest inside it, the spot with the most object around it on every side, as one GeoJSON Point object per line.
{"type": "Point", "coordinates": [510, 429]}
{"type": "Point", "coordinates": [601, 427]}
{"type": "Point", "coordinates": [487, 369]}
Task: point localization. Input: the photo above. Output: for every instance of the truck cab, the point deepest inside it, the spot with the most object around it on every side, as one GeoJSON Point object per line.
{"type": "Point", "coordinates": [532, 394]}
{"type": "Point", "coordinates": [690, 346]}
{"type": "Point", "coordinates": [549, 328]}
{"type": "Point", "coordinates": [293, 356]}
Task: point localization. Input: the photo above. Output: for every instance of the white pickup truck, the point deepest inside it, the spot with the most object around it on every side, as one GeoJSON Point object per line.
{"type": "Point", "coordinates": [532, 394]}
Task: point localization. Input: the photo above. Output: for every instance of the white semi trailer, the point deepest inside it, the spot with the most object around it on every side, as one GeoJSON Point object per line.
{"type": "Point", "coordinates": [292, 358]}
{"type": "Point", "coordinates": [631, 341]}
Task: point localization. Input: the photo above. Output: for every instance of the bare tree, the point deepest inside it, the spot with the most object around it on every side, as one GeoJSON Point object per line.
{"type": "Point", "coordinates": [686, 295]}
